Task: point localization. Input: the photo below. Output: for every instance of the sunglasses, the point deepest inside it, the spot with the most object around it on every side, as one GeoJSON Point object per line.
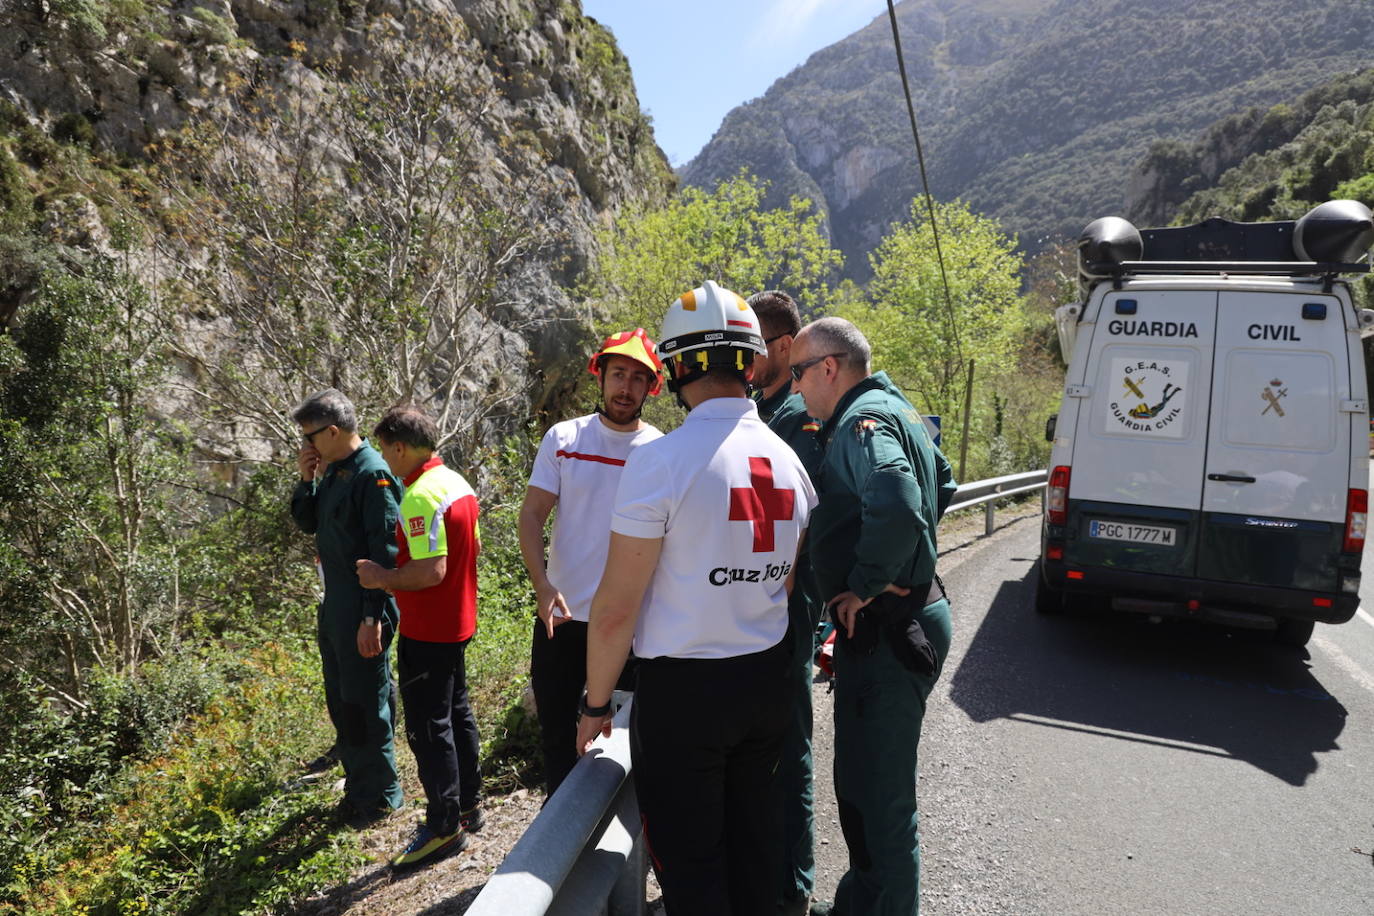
{"type": "Point", "coordinates": [799, 369]}
{"type": "Point", "coordinates": [310, 436]}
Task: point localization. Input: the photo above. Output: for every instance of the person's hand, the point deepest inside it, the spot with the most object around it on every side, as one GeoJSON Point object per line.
{"type": "Point", "coordinates": [846, 606]}
{"type": "Point", "coordinates": [370, 639]}
{"type": "Point", "coordinates": [551, 608]}
{"type": "Point", "coordinates": [371, 575]}
{"type": "Point", "coordinates": [308, 461]}
{"type": "Point", "coordinates": [588, 727]}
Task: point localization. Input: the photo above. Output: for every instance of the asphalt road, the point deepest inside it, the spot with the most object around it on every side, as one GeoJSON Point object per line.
{"type": "Point", "coordinates": [1107, 765]}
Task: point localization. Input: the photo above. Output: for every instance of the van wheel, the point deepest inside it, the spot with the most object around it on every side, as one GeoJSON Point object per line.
{"type": "Point", "coordinates": [1048, 600]}
{"type": "Point", "coordinates": [1293, 632]}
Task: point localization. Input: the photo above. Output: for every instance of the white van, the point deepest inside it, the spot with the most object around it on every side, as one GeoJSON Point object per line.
{"type": "Point", "coordinates": [1210, 455]}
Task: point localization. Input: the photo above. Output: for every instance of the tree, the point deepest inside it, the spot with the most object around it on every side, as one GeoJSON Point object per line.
{"type": "Point", "coordinates": [352, 233]}
{"type": "Point", "coordinates": [89, 505]}
{"type": "Point", "coordinates": [650, 256]}
{"type": "Point", "coordinates": [928, 345]}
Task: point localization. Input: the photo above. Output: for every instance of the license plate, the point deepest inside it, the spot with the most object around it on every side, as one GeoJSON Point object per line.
{"type": "Point", "coordinates": [1125, 531]}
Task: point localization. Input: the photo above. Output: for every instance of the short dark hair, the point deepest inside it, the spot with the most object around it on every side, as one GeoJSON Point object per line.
{"type": "Point", "coordinates": [329, 407]}
{"type": "Point", "coordinates": [777, 312]}
{"type": "Point", "coordinates": [409, 424]}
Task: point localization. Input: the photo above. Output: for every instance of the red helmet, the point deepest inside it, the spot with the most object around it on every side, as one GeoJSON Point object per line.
{"type": "Point", "coordinates": [634, 345]}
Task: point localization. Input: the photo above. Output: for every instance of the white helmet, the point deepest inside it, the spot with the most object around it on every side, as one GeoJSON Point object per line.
{"type": "Point", "coordinates": [707, 328]}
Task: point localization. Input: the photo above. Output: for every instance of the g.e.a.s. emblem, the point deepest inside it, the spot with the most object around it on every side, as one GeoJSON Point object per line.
{"type": "Point", "coordinates": [1147, 397]}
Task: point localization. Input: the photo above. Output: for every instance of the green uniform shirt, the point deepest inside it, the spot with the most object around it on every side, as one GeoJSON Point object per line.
{"type": "Point", "coordinates": [785, 413]}
{"type": "Point", "coordinates": [883, 486]}
{"type": "Point", "coordinates": [352, 512]}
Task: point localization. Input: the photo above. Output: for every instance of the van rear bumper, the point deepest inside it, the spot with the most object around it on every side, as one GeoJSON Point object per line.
{"type": "Point", "coordinates": [1220, 602]}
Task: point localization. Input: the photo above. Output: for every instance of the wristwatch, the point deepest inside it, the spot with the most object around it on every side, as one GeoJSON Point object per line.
{"type": "Point", "coordinates": [598, 712]}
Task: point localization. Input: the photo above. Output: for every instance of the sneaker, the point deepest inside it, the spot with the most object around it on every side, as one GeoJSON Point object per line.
{"type": "Point", "coordinates": [427, 846]}
{"type": "Point", "coordinates": [472, 819]}
{"type": "Point", "coordinates": [324, 762]}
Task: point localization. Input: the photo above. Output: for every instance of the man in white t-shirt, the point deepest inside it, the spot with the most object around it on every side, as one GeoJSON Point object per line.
{"type": "Point", "coordinates": [577, 469]}
{"type": "Point", "coordinates": [704, 538]}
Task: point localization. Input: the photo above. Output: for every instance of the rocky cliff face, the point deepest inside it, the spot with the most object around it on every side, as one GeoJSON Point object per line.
{"type": "Point", "coordinates": [1034, 112]}
{"type": "Point", "coordinates": [124, 79]}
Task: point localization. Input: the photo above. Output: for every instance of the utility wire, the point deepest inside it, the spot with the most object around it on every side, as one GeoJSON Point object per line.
{"type": "Point", "coordinates": [925, 183]}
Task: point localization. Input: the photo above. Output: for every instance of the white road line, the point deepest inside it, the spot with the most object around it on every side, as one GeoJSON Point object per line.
{"type": "Point", "coordinates": [1364, 615]}
{"type": "Point", "coordinates": [1347, 664]}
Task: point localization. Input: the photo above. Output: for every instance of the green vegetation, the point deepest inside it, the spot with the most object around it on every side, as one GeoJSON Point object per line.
{"type": "Point", "coordinates": [930, 346]}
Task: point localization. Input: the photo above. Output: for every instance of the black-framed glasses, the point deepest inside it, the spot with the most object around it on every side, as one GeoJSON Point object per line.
{"type": "Point", "coordinates": [768, 340]}
{"type": "Point", "coordinates": [310, 436]}
{"type": "Point", "coordinates": [799, 369]}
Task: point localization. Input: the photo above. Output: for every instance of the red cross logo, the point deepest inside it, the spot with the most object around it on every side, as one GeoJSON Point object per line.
{"type": "Point", "coordinates": [761, 503]}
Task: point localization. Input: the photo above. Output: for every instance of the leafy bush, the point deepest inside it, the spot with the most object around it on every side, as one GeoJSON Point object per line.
{"type": "Point", "coordinates": [209, 825]}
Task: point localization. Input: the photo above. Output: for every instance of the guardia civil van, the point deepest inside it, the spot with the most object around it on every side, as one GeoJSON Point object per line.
{"type": "Point", "coordinates": [1210, 455]}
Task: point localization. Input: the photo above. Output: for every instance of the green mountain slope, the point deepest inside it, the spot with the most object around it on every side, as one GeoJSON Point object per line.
{"type": "Point", "coordinates": [1033, 112]}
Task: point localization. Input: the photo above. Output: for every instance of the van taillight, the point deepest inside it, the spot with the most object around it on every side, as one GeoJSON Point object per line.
{"type": "Point", "coordinates": [1356, 517]}
{"type": "Point", "coordinates": [1057, 498]}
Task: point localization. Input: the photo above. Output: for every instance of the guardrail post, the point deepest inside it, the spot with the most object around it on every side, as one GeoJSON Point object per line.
{"type": "Point", "coordinates": [988, 516]}
{"type": "Point", "coordinates": [628, 896]}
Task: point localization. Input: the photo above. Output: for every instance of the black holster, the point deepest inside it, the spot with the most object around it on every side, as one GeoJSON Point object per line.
{"type": "Point", "coordinates": [896, 618]}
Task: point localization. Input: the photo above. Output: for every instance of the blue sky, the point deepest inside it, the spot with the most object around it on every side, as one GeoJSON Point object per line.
{"type": "Point", "coordinates": [694, 61]}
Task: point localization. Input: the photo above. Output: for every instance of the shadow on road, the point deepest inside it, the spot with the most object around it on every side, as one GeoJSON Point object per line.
{"type": "Point", "coordinates": [1202, 689]}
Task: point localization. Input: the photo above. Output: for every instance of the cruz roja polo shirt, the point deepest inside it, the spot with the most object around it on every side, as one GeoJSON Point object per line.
{"type": "Point", "coordinates": [439, 518]}
{"type": "Point", "coordinates": [730, 500]}
{"type": "Point", "coordinates": [580, 461]}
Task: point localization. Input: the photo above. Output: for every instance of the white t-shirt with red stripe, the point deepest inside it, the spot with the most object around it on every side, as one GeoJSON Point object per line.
{"type": "Point", "coordinates": [730, 500]}
{"type": "Point", "coordinates": [580, 461]}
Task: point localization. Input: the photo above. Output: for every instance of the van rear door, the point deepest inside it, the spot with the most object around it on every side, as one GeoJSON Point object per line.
{"type": "Point", "coordinates": [1278, 444]}
{"type": "Point", "coordinates": [1140, 437]}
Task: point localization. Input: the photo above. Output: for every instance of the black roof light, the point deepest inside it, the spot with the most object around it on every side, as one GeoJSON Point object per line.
{"type": "Point", "coordinates": [1332, 238]}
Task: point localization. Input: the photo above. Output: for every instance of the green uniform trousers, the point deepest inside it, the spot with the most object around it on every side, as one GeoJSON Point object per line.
{"type": "Point", "coordinates": [361, 701]}
{"type": "Point", "coordinates": [879, 705]}
{"type": "Point", "coordinates": [795, 784]}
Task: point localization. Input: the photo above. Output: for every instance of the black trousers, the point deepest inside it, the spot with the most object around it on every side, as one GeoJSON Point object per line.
{"type": "Point", "coordinates": [705, 739]}
{"type": "Point", "coordinates": [558, 674]}
{"type": "Point", "coordinates": [440, 728]}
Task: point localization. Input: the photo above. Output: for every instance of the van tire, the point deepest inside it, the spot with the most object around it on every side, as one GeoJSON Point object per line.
{"type": "Point", "coordinates": [1048, 600]}
{"type": "Point", "coordinates": [1293, 632]}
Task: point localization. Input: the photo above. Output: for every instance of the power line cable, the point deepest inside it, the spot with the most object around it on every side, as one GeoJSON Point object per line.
{"type": "Point", "coordinates": [925, 183]}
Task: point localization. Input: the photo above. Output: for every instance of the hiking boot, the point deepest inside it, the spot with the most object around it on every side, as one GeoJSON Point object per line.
{"type": "Point", "coordinates": [427, 847]}
{"type": "Point", "coordinates": [324, 762]}
{"type": "Point", "coordinates": [472, 819]}
{"type": "Point", "coordinates": [360, 816]}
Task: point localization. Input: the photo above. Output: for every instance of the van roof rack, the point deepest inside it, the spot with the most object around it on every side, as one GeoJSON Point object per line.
{"type": "Point", "coordinates": [1332, 238]}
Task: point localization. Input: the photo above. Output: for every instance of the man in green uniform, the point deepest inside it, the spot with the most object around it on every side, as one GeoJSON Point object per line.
{"type": "Point", "coordinates": [883, 487]}
{"type": "Point", "coordinates": [349, 499]}
{"type": "Point", "coordinates": [786, 415]}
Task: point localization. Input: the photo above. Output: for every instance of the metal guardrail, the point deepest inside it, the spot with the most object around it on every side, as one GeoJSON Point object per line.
{"type": "Point", "coordinates": [986, 492]}
{"type": "Point", "coordinates": [584, 854]}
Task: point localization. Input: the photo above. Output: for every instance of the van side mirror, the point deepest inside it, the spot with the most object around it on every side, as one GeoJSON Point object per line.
{"type": "Point", "coordinates": [1049, 427]}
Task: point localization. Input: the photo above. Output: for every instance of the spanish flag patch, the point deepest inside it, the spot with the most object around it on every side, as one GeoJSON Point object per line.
{"type": "Point", "coordinates": [811, 426]}
{"type": "Point", "coordinates": [383, 482]}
